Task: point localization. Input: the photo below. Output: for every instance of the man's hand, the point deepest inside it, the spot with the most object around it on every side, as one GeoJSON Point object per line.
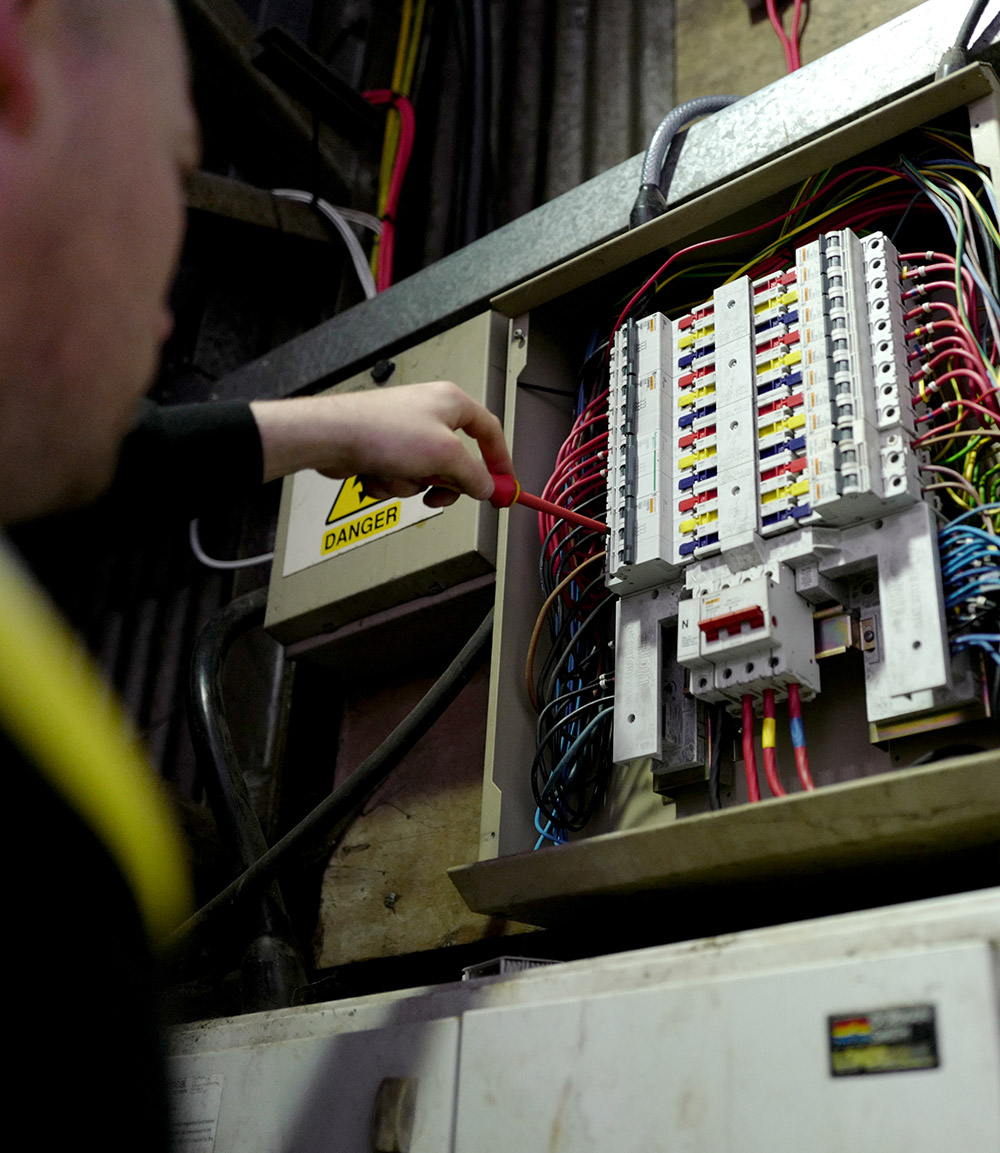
{"type": "Point", "coordinates": [399, 440]}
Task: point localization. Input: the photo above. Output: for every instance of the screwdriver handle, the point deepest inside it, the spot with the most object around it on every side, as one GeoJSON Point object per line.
{"type": "Point", "coordinates": [507, 491]}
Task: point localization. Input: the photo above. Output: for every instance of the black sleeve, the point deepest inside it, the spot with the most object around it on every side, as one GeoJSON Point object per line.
{"type": "Point", "coordinates": [188, 458]}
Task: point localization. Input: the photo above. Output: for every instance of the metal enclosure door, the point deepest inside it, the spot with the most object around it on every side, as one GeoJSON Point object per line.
{"type": "Point", "coordinates": [314, 1094]}
{"type": "Point", "coordinates": [738, 1065]}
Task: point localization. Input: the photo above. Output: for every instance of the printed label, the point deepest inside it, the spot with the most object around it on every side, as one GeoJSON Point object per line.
{"type": "Point", "coordinates": [883, 1041]}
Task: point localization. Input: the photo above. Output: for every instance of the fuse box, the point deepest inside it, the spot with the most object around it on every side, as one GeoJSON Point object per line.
{"type": "Point", "coordinates": [772, 533]}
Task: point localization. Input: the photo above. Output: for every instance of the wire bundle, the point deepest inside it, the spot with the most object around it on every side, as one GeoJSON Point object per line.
{"type": "Point", "coordinates": [768, 743]}
{"type": "Point", "coordinates": [970, 569]}
{"type": "Point", "coordinates": [407, 130]}
{"type": "Point", "coordinates": [790, 44]}
{"type": "Point", "coordinates": [411, 26]}
{"type": "Point", "coordinates": [572, 691]}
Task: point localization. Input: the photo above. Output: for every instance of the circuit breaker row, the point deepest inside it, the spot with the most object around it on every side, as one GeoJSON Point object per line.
{"type": "Point", "coordinates": [780, 403]}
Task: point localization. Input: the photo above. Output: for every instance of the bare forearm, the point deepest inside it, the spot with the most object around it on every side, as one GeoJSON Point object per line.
{"type": "Point", "coordinates": [403, 439]}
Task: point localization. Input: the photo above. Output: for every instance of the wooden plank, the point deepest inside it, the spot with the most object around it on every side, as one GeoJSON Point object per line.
{"type": "Point", "coordinates": [925, 812]}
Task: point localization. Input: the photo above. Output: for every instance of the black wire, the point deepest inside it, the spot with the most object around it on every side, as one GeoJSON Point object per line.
{"type": "Point", "coordinates": [565, 639]}
{"type": "Point", "coordinates": [576, 535]}
{"type": "Point", "coordinates": [718, 719]}
{"type": "Point", "coordinates": [593, 686]}
{"type": "Point", "coordinates": [976, 10]}
{"type": "Point", "coordinates": [475, 211]}
{"type": "Point", "coordinates": [906, 213]}
{"type": "Point", "coordinates": [550, 671]}
{"type": "Point", "coordinates": [352, 792]}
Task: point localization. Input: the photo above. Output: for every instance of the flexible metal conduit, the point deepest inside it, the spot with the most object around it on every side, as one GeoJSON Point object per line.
{"type": "Point", "coordinates": [651, 201]}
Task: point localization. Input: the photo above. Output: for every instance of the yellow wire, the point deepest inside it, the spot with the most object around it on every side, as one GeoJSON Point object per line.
{"type": "Point", "coordinates": [970, 462]}
{"type": "Point", "coordinates": [991, 228]}
{"type": "Point", "coordinates": [411, 54]}
{"type": "Point", "coordinates": [806, 225]}
{"type": "Point", "coordinates": [950, 144]}
{"type": "Point", "coordinates": [391, 137]}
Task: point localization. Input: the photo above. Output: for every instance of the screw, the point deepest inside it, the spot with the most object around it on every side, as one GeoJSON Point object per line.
{"type": "Point", "coordinates": [381, 371]}
{"type": "Point", "coordinates": [519, 336]}
{"type": "Point", "coordinates": [390, 900]}
{"type": "Point", "coordinates": [869, 636]}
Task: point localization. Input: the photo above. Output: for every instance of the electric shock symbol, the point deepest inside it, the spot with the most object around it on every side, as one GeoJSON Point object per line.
{"type": "Point", "coordinates": [351, 498]}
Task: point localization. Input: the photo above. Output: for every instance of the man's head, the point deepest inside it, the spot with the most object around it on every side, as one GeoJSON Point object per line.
{"type": "Point", "coordinates": [96, 136]}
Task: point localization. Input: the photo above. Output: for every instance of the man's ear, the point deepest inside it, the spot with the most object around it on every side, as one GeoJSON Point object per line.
{"type": "Point", "coordinates": [17, 79]}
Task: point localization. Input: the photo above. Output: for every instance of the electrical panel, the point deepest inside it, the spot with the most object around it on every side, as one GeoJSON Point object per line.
{"type": "Point", "coordinates": [342, 557]}
{"type": "Point", "coordinates": [759, 451]}
{"type": "Point", "coordinates": [794, 567]}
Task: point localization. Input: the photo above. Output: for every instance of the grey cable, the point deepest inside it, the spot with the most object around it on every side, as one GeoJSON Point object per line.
{"type": "Point", "coordinates": [651, 201]}
{"type": "Point", "coordinates": [957, 55]}
{"type": "Point", "coordinates": [338, 218]}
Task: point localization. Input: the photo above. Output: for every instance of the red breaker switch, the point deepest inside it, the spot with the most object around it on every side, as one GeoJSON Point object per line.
{"type": "Point", "coordinates": [732, 623]}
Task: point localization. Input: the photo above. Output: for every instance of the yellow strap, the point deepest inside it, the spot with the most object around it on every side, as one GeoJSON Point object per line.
{"type": "Point", "coordinates": [55, 707]}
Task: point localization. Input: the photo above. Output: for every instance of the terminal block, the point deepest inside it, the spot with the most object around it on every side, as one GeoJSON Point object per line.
{"type": "Point", "coordinates": [759, 460]}
{"type": "Point", "coordinates": [639, 457]}
{"type": "Point", "coordinates": [780, 403]}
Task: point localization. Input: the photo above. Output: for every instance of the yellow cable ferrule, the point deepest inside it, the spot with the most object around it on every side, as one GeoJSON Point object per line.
{"type": "Point", "coordinates": [767, 731]}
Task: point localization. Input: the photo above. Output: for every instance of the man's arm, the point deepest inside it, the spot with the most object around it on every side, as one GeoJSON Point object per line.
{"type": "Point", "coordinates": [400, 440]}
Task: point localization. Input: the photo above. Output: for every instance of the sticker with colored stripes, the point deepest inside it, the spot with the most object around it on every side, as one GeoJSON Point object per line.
{"type": "Point", "coordinates": [894, 1040]}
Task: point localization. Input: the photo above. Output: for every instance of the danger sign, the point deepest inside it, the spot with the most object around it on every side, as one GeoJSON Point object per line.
{"type": "Point", "coordinates": [356, 530]}
{"type": "Point", "coordinates": [329, 518]}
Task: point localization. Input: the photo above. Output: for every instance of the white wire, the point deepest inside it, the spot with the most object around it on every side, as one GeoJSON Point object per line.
{"type": "Point", "coordinates": [226, 565]}
{"type": "Point", "coordinates": [364, 219]}
{"type": "Point", "coordinates": [339, 219]}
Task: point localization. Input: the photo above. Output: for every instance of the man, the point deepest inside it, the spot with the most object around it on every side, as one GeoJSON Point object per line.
{"type": "Point", "coordinates": [97, 136]}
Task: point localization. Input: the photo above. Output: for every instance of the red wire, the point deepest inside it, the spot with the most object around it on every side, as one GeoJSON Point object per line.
{"type": "Point", "coordinates": [786, 44]}
{"type": "Point", "coordinates": [559, 511]}
{"type": "Point", "coordinates": [749, 756]}
{"type": "Point", "coordinates": [407, 131]}
{"type": "Point", "coordinates": [921, 290]}
{"type": "Point", "coordinates": [796, 37]}
{"type": "Point", "coordinates": [770, 756]}
{"type": "Point", "coordinates": [750, 232]}
{"type": "Point", "coordinates": [801, 753]}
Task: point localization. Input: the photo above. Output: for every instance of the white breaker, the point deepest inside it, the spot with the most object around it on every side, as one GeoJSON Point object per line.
{"type": "Point", "coordinates": [759, 466]}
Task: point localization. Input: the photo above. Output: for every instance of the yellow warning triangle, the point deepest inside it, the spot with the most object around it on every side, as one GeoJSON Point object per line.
{"type": "Point", "coordinates": [351, 499]}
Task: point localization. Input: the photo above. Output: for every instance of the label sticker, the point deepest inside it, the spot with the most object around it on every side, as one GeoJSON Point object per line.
{"type": "Point", "coordinates": [329, 518]}
{"type": "Point", "coordinates": [195, 1105]}
{"type": "Point", "coordinates": [883, 1041]}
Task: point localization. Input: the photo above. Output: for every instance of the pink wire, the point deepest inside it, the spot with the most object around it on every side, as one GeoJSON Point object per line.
{"type": "Point", "coordinates": [786, 44]}
{"type": "Point", "coordinates": [797, 34]}
{"type": "Point", "coordinates": [407, 131]}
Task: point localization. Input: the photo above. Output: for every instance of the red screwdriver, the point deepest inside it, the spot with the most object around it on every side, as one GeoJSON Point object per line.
{"type": "Point", "coordinates": [506, 491]}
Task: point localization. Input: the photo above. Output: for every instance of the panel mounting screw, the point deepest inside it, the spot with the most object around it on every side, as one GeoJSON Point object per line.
{"type": "Point", "coordinates": [519, 337]}
{"type": "Point", "coordinates": [381, 371]}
